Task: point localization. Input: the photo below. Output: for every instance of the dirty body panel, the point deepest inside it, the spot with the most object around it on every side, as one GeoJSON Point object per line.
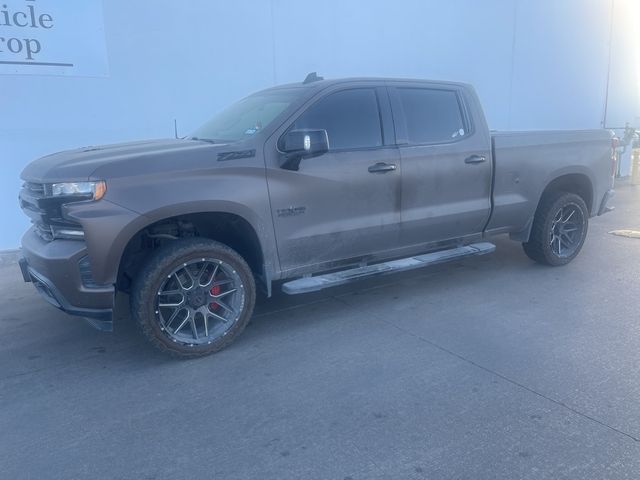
{"type": "Point", "coordinates": [527, 162]}
{"type": "Point", "coordinates": [410, 167]}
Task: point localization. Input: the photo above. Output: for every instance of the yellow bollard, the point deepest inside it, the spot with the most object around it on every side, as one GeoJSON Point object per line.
{"type": "Point", "coordinates": [635, 166]}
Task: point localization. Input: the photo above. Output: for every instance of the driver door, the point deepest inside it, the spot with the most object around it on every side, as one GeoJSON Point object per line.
{"type": "Point", "coordinates": [345, 204]}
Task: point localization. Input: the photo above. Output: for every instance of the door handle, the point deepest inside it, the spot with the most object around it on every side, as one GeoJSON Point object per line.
{"type": "Point", "coordinates": [382, 167]}
{"type": "Point", "coordinates": [475, 159]}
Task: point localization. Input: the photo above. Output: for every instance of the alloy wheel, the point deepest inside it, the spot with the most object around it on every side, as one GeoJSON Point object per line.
{"type": "Point", "coordinates": [200, 301]}
{"type": "Point", "coordinates": [567, 229]}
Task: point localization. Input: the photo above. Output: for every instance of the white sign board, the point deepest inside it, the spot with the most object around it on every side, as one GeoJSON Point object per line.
{"type": "Point", "coordinates": [52, 37]}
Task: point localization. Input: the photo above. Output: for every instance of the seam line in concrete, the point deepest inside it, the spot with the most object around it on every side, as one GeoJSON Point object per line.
{"type": "Point", "coordinates": [511, 381]}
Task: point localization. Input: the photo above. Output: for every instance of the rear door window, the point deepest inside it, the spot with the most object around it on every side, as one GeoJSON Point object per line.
{"type": "Point", "coordinates": [431, 115]}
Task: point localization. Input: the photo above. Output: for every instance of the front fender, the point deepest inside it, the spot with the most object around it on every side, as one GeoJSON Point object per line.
{"type": "Point", "coordinates": [133, 203]}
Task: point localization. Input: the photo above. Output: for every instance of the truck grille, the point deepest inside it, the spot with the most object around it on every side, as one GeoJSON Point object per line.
{"type": "Point", "coordinates": [44, 211]}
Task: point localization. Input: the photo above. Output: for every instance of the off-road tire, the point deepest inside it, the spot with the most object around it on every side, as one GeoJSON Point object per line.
{"type": "Point", "coordinates": [149, 280]}
{"type": "Point", "coordinates": [538, 247]}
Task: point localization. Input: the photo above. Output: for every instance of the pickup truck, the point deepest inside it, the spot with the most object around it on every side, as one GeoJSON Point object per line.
{"type": "Point", "coordinates": [306, 186]}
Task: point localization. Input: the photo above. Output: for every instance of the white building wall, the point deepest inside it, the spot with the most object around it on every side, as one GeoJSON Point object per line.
{"type": "Point", "coordinates": [537, 64]}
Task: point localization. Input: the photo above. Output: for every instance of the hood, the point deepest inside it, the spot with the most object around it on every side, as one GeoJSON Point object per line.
{"type": "Point", "coordinates": [117, 160]}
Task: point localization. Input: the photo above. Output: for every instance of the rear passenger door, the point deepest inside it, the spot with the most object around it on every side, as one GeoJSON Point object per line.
{"type": "Point", "coordinates": [446, 163]}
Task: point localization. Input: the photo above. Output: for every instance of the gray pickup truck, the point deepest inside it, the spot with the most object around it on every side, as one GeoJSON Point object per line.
{"type": "Point", "coordinates": [312, 184]}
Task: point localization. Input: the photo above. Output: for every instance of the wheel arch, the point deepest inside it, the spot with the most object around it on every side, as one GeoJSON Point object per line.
{"type": "Point", "coordinates": [576, 181]}
{"type": "Point", "coordinates": [224, 225]}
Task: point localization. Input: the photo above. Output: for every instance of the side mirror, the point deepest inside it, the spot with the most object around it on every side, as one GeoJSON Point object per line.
{"type": "Point", "coordinates": [299, 144]}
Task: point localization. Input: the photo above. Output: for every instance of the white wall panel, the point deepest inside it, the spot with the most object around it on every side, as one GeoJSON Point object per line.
{"type": "Point", "coordinates": [536, 64]}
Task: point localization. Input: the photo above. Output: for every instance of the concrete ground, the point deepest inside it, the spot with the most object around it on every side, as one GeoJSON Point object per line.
{"type": "Point", "coordinates": [488, 368]}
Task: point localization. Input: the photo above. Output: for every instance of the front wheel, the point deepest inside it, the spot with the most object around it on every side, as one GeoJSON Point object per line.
{"type": "Point", "coordinates": [193, 297]}
{"type": "Point", "coordinates": [559, 229]}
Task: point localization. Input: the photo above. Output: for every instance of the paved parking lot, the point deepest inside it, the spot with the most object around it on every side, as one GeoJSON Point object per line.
{"type": "Point", "coordinates": [488, 368]}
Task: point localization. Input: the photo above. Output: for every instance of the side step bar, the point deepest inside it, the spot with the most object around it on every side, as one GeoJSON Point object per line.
{"type": "Point", "coordinates": [313, 284]}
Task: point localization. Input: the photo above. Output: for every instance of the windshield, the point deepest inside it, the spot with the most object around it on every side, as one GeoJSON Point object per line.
{"type": "Point", "coordinates": [246, 117]}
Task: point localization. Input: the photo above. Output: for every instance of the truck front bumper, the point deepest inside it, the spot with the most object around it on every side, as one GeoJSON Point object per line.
{"type": "Point", "coordinates": [58, 270]}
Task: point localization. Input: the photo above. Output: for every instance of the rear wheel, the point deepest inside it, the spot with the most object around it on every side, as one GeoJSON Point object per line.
{"type": "Point", "coordinates": [559, 229]}
{"type": "Point", "coordinates": [193, 297]}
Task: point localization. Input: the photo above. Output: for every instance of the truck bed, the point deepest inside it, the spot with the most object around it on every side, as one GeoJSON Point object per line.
{"type": "Point", "coordinates": [525, 162]}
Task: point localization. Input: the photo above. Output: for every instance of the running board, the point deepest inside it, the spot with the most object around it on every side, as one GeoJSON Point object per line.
{"type": "Point", "coordinates": [313, 284]}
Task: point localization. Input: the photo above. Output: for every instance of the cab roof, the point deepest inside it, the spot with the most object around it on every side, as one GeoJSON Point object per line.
{"type": "Point", "coordinates": [315, 82]}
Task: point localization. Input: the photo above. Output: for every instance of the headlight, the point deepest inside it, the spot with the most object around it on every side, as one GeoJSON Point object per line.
{"type": "Point", "coordinates": [95, 189]}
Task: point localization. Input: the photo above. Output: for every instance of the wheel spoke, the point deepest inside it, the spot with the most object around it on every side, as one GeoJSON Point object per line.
{"type": "Point", "coordinates": [179, 304]}
{"type": "Point", "coordinates": [170, 292]}
{"type": "Point", "coordinates": [173, 317]}
{"type": "Point", "coordinates": [188, 272]}
{"type": "Point", "coordinates": [197, 275]}
{"type": "Point", "coordinates": [558, 217]}
{"type": "Point", "coordinates": [221, 283]}
{"type": "Point", "coordinates": [565, 240]}
{"type": "Point", "coordinates": [204, 311]}
{"type": "Point", "coordinates": [219, 317]}
{"type": "Point", "coordinates": [209, 278]}
{"type": "Point", "coordinates": [190, 275]}
{"type": "Point", "coordinates": [194, 328]}
{"type": "Point", "coordinates": [205, 318]}
{"type": "Point", "coordinates": [182, 285]}
{"type": "Point", "coordinates": [223, 294]}
{"type": "Point", "coordinates": [184, 322]}
{"type": "Point", "coordinates": [170, 305]}
{"type": "Point", "coordinates": [559, 245]}
{"type": "Point", "coordinates": [226, 307]}
{"type": "Point", "coordinates": [569, 217]}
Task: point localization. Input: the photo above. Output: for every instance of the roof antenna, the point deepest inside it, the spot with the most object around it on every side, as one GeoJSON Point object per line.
{"type": "Point", "coordinates": [312, 77]}
{"type": "Point", "coordinates": [175, 127]}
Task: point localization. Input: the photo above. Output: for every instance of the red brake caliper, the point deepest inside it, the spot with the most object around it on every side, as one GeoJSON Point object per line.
{"type": "Point", "coordinates": [215, 290]}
